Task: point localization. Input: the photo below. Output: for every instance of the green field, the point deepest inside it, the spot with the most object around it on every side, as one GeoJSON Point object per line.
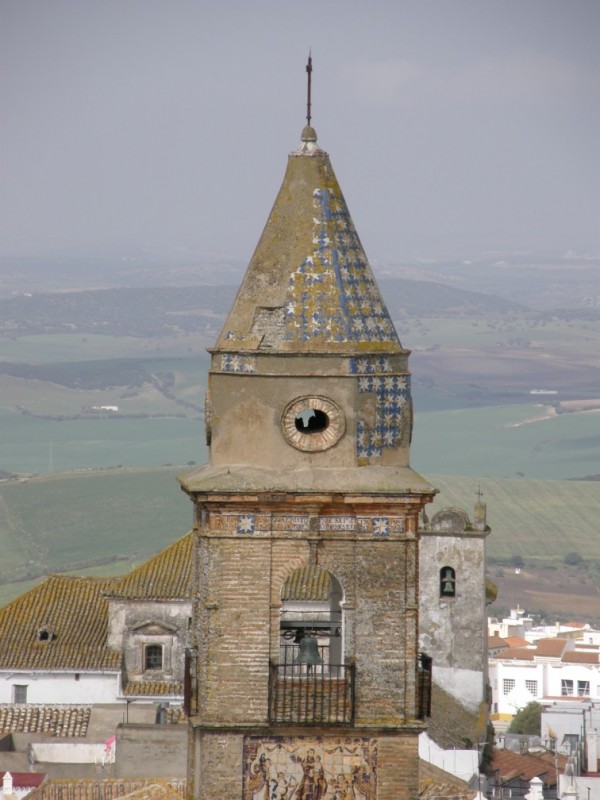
{"type": "Point", "coordinates": [507, 441]}
{"type": "Point", "coordinates": [72, 521]}
{"type": "Point", "coordinates": [104, 522]}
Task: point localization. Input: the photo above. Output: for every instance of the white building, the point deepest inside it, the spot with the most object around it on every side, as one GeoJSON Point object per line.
{"type": "Point", "coordinates": [547, 670]}
{"type": "Point", "coordinates": [84, 641]}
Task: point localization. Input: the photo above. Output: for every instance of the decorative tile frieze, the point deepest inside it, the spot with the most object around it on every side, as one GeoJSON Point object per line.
{"type": "Point", "coordinates": [369, 365]}
{"type": "Point", "coordinates": [237, 363]}
{"type": "Point", "coordinates": [249, 524]}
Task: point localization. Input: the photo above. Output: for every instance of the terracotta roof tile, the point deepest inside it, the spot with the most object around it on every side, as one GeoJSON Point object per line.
{"type": "Point", "coordinates": [153, 689]}
{"type": "Point", "coordinates": [109, 789]}
{"type": "Point", "coordinates": [435, 782]}
{"type": "Point", "coordinates": [511, 765]}
{"type": "Point", "coordinates": [575, 657]}
{"type": "Point", "coordinates": [519, 654]}
{"type": "Point", "coordinates": [24, 780]}
{"type": "Point", "coordinates": [166, 576]}
{"type": "Point", "coordinates": [72, 616]}
{"type": "Point", "coordinates": [52, 720]}
{"type": "Point", "coordinates": [516, 641]}
{"type": "Point", "coordinates": [550, 647]}
{"type": "Point", "coordinates": [450, 724]}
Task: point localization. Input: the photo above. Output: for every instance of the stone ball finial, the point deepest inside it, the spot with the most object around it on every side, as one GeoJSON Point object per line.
{"type": "Point", "coordinates": [309, 134]}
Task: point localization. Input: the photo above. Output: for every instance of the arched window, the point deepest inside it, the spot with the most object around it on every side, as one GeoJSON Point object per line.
{"type": "Point", "coordinates": [311, 628]}
{"type": "Point", "coordinates": [153, 656]}
{"type": "Point", "coordinates": [447, 582]}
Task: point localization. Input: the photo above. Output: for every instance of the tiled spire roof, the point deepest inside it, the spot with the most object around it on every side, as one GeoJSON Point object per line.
{"type": "Point", "coordinates": [309, 286]}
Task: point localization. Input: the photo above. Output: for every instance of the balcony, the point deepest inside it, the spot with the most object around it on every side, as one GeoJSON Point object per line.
{"type": "Point", "coordinates": [310, 694]}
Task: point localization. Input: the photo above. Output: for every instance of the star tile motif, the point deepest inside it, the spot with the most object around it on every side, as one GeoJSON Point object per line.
{"type": "Point", "coordinates": [246, 523]}
{"type": "Point", "coordinates": [332, 296]}
{"type": "Point", "coordinates": [381, 526]}
{"type": "Point", "coordinates": [237, 363]}
{"type": "Point", "coordinates": [393, 394]}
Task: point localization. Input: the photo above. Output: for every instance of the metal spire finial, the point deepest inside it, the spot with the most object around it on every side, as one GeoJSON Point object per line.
{"type": "Point", "coordinates": [309, 74]}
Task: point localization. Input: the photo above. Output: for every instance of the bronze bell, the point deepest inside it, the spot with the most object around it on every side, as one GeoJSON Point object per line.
{"type": "Point", "coordinates": [309, 651]}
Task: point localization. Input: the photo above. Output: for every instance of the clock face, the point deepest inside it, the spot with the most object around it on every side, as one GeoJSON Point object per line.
{"type": "Point", "coordinates": [313, 423]}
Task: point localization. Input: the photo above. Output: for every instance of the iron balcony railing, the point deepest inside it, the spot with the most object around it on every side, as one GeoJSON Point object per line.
{"type": "Point", "coordinates": [310, 694]}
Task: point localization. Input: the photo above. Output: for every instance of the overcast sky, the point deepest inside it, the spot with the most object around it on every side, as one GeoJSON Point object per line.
{"type": "Point", "coordinates": [454, 126]}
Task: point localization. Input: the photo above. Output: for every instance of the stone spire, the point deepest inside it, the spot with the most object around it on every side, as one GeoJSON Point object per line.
{"type": "Point", "coordinates": [309, 286]}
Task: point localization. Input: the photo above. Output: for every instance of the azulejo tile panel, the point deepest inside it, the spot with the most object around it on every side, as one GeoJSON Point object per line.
{"type": "Point", "coordinates": [393, 398]}
{"type": "Point", "coordinates": [332, 295]}
{"type": "Point", "coordinates": [310, 768]}
{"type": "Point", "coordinates": [237, 363]}
{"type": "Point", "coordinates": [249, 524]}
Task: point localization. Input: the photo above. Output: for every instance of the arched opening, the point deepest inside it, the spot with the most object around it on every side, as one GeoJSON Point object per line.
{"type": "Point", "coordinates": [447, 582]}
{"type": "Point", "coordinates": [311, 684]}
{"type": "Point", "coordinates": [311, 626]}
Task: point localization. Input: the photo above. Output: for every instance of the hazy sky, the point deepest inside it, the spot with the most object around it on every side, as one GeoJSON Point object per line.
{"type": "Point", "coordinates": [164, 125]}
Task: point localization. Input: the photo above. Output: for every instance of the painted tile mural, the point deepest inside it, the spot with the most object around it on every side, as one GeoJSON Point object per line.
{"type": "Point", "coordinates": [332, 296]}
{"type": "Point", "coordinates": [310, 768]}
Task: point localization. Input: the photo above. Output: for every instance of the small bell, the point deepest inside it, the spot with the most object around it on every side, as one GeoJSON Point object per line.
{"type": "Point", "coordinates": [309, 651]}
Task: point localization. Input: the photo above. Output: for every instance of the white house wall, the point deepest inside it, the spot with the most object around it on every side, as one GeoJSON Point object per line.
{"type": "Point", "coordinates": [549, 677]}
{"type": "Point", "coordinates": [61, 688]}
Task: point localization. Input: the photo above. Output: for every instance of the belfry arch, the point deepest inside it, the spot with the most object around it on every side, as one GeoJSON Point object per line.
{"type": "Point", "coordinates": [312, 606]}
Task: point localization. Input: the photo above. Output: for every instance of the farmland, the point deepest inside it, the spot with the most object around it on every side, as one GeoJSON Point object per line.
{"type": "Point", "coordinates": [96, 496]}
{"type": "Point", "coordinates": [108, 520]}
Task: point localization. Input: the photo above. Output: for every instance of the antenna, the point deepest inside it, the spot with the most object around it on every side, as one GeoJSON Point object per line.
{"type": "Point", "coordinates": [309, 74]}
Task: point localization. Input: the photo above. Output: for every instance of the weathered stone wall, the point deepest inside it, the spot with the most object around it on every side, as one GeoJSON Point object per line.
{"type": "Point", "coordinates": [151, 750]}
{"type": "Point", "coordinates": [133, 624]}
{"type": "Point", "coordinates": [243, 561]}
{"type": "Point", "coordinates": [453, 629]}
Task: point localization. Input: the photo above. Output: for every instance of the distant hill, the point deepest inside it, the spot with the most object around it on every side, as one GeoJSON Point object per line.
{"type": "Point", "coordinates": [166, 311]}
{"type": "Point", "coordinates": [104, 521]}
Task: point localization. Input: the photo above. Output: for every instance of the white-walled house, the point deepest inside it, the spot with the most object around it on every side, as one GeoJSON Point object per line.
{"type": "Point", "coordinates": [544, 671]}
{"type": "Point", "coordinates": [83, 641]}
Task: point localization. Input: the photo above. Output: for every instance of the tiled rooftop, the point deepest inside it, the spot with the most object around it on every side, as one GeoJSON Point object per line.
{"type": "Point", "coordinates": [550, 647]}
{"type": "Point", "coordinates": [575, 657]}
{"type": "Point", "coordinates": [166, 576]}
{"type": "Point", "coordinates": [153, 689]}
{"type": "Point", "coordinates": [63, 721]}
{"type": "Point", "coordinates": [60, 624]}
{"type": "Point", "coordinates": [63, 622]}
{"type": "Point", "coordinates": [451, 725]}
{"type": "Point", "coordinates": [514, 765]}
{"type": "Point", "coordinates": [435, 782]}
{"type": "Point", "coordinates": [516, 641]}
{"type": "Point", "coordinates": [110, 789]}
{"type": "Point", "coordinates": [519, 654]}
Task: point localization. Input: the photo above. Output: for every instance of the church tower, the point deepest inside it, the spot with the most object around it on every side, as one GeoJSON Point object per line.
{"type": "Point", "coordinates": [304, 678]}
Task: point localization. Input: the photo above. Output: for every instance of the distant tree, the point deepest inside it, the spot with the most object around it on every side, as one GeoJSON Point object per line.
{"type": "Point", "coordinates": [517, 561]}
{"type": "Point", "coordinates": [527, 720]}
{"type": "Point", "coordinates": [572, 559]}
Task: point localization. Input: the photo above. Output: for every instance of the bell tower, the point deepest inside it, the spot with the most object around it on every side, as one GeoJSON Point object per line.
{"type": "Point", "coordinates": [304, 678]}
